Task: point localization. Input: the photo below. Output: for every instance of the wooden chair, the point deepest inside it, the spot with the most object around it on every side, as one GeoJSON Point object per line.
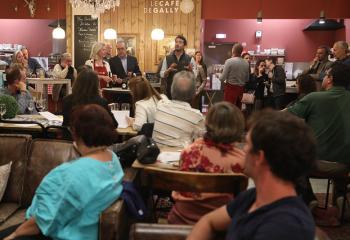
{"type": "Point", "coordinates": [174, 180]}
{"type": "Point", "coordinates": [144, 231]}
{"type": "Point", "coordinates": [58, 132]}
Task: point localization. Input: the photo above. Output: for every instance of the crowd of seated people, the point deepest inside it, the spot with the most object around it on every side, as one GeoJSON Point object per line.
{"type": "Point", "coordinates": [71, 197]}
{"type": "Point", "coordinates": [270, 157]}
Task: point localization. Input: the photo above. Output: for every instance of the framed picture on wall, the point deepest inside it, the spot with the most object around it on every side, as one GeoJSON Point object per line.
{"type": "Point", "coordinates": [164, 47]}
{"type": "Point", "coordinates": [131, 42]}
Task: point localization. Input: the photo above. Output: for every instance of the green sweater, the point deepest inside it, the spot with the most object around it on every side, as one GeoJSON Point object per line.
{"type": "Point", "coordinates": [328, 114]}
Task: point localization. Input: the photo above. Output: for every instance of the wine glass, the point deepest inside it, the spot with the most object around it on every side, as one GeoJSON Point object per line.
{"type": "Point", "coordinates": [31, 106]}
{"type": "Point", "coordinates": [41, 105]}
{"type": "Point", "coordinates": [2, 109]}
{"type": "Point", "coordinates": [113, 106]}
{"type": "Point", "coordinates": [125, 107]}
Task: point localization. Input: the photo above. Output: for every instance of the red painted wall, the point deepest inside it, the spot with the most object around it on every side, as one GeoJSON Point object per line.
{"type": "Point", "coordinates": [300, 45]}
{"type": "Point", "coordinates": [274, 9]}
{"type": "Point", "coordinates": [57, 9]}
{"type": "Point", "coordinates": [33, 33]}
{"type": "Point", "coordinates": [347, 29]}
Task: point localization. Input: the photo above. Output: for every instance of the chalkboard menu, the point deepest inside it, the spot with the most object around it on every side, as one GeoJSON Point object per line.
{"type": "Point", "coordinates": [85, 35]}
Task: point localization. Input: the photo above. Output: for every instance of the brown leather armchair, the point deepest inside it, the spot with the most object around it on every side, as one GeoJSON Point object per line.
{"type": "Point", "coordinates": [32, 160]}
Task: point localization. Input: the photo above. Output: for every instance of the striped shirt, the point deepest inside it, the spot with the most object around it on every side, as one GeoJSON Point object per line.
{"type": "Point", "coordinates": [176, 123]}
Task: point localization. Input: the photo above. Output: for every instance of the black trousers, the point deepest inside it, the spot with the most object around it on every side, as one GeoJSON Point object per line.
{"type": "Point", "coordinates": [6, 232]}
{"type": "Point", "coordinates": [325, 169]}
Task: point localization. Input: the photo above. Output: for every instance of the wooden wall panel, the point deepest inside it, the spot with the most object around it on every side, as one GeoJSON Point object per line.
{"type": "Point", "coordinates": [129, 18]}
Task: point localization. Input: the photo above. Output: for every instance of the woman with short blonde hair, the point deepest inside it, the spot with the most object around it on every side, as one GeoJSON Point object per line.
{"type": "Point", "coordinates": [100, 66]}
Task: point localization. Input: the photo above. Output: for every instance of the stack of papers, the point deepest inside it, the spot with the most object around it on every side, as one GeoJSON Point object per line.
{"type": "Point", "coordinates": [51, 117]}
{"type": "Point", "coordinates": [169, 157]}
{"type": "Point", "coordinates": [121, 117]}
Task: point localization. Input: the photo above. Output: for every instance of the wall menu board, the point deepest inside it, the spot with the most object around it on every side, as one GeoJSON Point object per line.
{"type": "Point", "coordinates": [85, 35]}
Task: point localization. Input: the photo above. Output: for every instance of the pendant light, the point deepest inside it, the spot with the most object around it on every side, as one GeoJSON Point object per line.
{"type": "Point", "coordinates": [110, 33]}
{"type": "Point", "coordinates": [157, 34]}
{"type": "Point", "coordinates": [259, 15]}
{"type": "Point", "coordinates": [322, 19]}
{"type": "Point", "coordinates": [58, 33]}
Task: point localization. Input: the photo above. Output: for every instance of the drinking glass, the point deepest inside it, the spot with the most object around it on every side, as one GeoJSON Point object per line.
{"type": "Point", "coordinates": [31, 106]}
{"type": "Point", "coordinates": [113, 106]}
{"type": "Point", "coordinates": [2, 109]}
{"type": "Point", "coordinates": [41, 105]}
{"type": "Point", "coordinates": [125, 107]}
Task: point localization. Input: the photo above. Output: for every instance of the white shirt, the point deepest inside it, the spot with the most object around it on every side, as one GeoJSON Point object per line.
{"type": "Point", "coordinates": [145, 111]}
{"type": "Point", "coordinates": [176, 123]}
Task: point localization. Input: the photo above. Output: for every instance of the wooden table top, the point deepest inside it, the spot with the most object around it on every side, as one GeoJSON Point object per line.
{"type": "Point", "coordinates": [157, 164]}
{"type": "Point", "coordinates": [36, 128]}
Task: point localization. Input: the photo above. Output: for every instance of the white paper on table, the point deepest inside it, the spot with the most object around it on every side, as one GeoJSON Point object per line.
{"type": "Point", "coordinates": [25, 125]}
{"type": "Point", "coordinates": [50, 116]}
{"type": "Point", "coordinates": [169, 157]}
{"type": "Point", "coordinates": [121, 117]}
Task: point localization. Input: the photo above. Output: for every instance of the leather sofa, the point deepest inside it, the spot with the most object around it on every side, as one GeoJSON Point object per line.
{"type": "Point", "coordinates": [31, 161]}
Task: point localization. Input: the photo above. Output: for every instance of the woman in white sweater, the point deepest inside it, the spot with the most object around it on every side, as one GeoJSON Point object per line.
{"type": "Point", "coordinates": [145, 98]}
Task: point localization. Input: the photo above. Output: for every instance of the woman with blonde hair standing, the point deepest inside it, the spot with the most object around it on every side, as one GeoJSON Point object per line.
{"type": "Point", "coordinates": [100, 66]}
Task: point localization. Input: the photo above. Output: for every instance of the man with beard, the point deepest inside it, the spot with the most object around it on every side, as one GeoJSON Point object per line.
{"type": "Point", "coordinates": [176, 62]}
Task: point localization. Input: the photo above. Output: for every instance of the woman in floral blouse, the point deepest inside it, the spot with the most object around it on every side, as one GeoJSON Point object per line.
{"type": "Point", "coordinates": [217, 152]}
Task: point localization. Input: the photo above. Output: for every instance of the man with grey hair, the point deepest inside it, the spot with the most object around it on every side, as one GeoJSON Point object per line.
{"type": "Point", "coordinates": [235, 75]}
{"type": "Point", "coordinates": [124, 65]}
{"type": "Point", "coordinates": [341, 52]}
{"type": "Point", "coordinates": [176, 122]}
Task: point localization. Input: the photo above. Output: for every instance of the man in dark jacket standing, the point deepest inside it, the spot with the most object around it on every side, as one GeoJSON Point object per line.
{"type": "Point", "coordinates": [123, 65]}
{"type": "Point", "coordinates": [175, 62]}
{"type": "Point", "coordinates": [277, 78]}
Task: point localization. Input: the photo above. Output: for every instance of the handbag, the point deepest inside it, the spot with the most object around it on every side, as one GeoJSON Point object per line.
{"type": "Point", "coordinates": [147, 151]}
{"type": "Point", "coordinates": [248, 98]}
{"type": "Point", "coordinates": [139, 147]}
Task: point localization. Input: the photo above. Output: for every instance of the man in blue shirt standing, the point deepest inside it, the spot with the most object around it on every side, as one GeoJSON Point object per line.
{"type": "Point", "coordinates": [272, 210]}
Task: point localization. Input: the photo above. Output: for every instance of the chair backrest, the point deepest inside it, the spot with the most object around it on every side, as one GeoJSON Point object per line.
{"type": "Point", "coordinates": [14, 147]}
{"type": "Point", "coordinates": [164, 179]}
{"type": "Point", "coordinates": [144, 231]}
{"type": "Point", "coordinates": [44, 155]}
{"type": "Point", "coordinates": [58, 132]}
{"type": "Point", "coordinates": [147, 129]}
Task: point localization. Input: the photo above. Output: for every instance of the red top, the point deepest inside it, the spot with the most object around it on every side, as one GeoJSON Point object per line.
{"type": "Point", "coordinates": [101, 70]}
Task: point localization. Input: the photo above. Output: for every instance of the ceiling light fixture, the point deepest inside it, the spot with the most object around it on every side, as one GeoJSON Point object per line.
{"type": "Point", "coordinates": [95, 7]}
{"type": "Point", "coordinates": [186, 6]}
{"type": "Point", "coordinates": [322, 19]}
{"type": "Point", "coordinates": [157, 34]}
{"type": "Point", "coordinates": [58, 33]}
{"type": "Point", "coordinates": [110, 34]}
{"type": "Point", "coordinates": [220, 35]}
{"type": "Point", "coordinates": [259, 17]}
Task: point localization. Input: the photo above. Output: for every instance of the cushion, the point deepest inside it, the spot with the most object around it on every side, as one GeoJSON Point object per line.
{"type": "Point", "coordinates": [4, 177]}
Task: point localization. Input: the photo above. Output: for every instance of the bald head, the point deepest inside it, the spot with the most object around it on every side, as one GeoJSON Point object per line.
{"type": "Point", "coordinates": [237, 50]}
{"type": "Point", "coordinates": [340, 50]}
{"type": "Point", "coordinates": [183, 87]}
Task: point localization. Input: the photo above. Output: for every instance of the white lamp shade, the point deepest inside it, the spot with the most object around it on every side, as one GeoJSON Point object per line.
{"type": "Point", "coordinates": [157, 34]}
{"type": "Point", "coordinates": [186, 6]}
{"type": "Point", "coordinates": [110, 33]}
{"type": "Point", "coordinates": [58, 33]}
